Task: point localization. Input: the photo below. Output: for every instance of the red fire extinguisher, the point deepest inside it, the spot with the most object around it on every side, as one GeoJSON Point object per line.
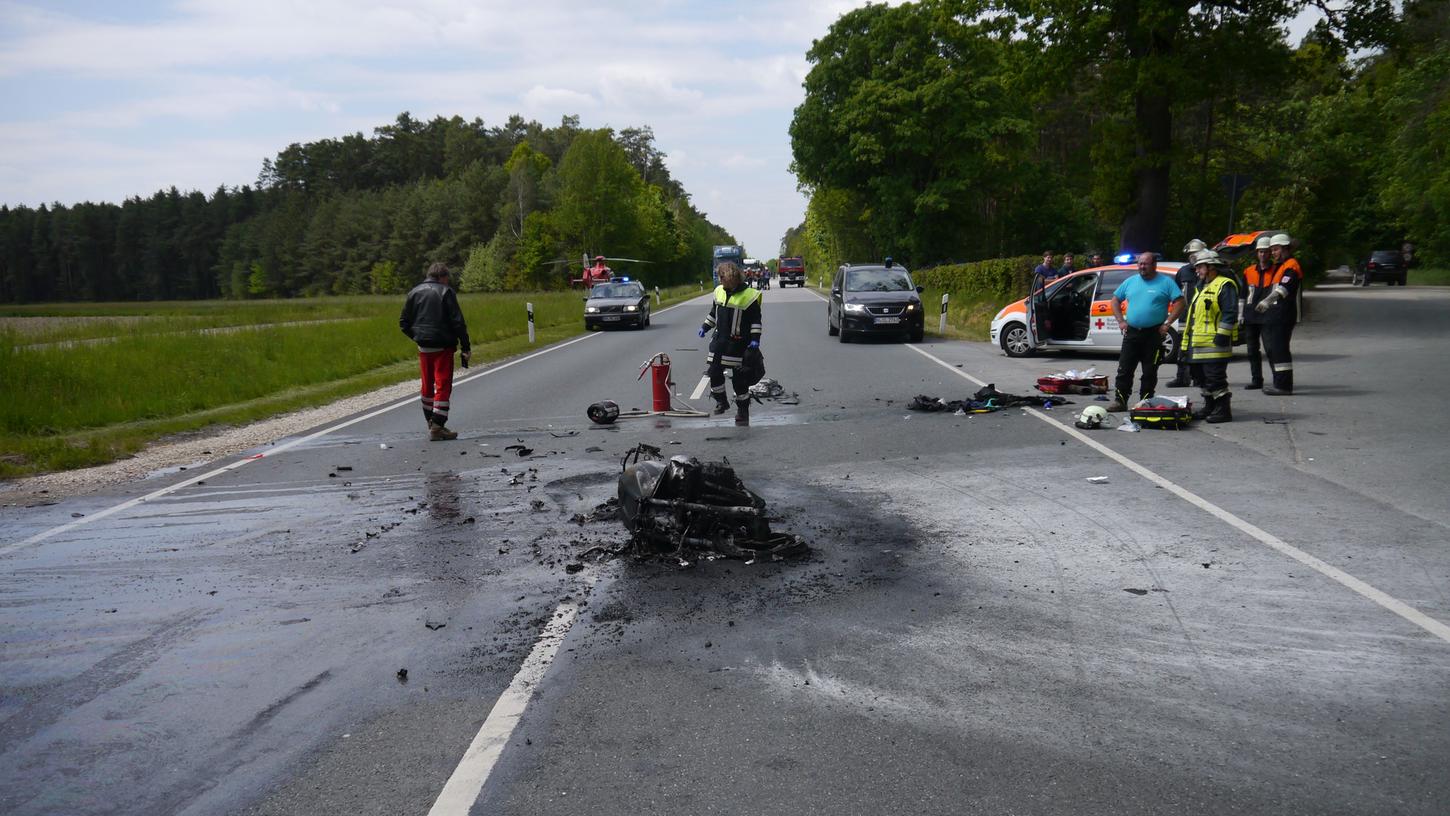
{"type": "Point", "coordinates": [658, 367]}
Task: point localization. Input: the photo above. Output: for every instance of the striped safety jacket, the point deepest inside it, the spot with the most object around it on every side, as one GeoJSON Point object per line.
{"type": "Point", "coordinates": [735, 317]}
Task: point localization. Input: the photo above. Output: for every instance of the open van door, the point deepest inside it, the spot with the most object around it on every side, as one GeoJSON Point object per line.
{"type": "Point", "coordinates": [1037, 315]}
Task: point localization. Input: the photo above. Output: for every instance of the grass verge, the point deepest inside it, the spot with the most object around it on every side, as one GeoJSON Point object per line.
{"type": "Point", "coordinates": [1429, 277]}
{"type": "Point", "coordinates": [70, 407]}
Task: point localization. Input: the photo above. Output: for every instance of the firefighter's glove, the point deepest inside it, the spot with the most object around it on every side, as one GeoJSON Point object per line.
{"type": "Point", "coordinates": [1262, 307]}
{"type": "Point", "coordinates": [702, 331]}
{"type": "Point", "coordinates": [1221, 340]}
{"type": "Point", "coordinates": [755, 344]}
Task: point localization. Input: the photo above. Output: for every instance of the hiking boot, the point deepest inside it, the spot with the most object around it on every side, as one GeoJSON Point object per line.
{"type": "Point", "coordinates": [439, 433]}
{"type": "Point", "coordinates": [722, 404]}
{"type": "Point", "coordinates": [1116, 407]}
{"type": "Point", "coordinates": [1221, 410]}
{"type": "Point", "coordinates": [742, 412]}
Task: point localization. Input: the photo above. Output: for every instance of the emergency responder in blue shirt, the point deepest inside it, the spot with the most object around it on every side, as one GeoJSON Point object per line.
{"type": "Point", "coordinates": [1154, 302]}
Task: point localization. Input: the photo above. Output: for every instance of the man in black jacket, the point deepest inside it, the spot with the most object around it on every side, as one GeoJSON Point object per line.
{"type": "Point", "coordinates": [432, 319]}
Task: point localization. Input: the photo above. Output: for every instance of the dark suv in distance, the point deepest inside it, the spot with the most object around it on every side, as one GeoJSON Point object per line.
{"type": "Point", "coordinates": [792, 270]}
{"type": "Point", "coordinates": [1387, 265]}
{"type": "Point", "coordinates": [874, 299]}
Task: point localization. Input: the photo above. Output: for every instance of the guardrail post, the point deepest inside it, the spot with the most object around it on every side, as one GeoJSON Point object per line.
{"type": "Point", "coordinates": [943, 327]}
{"type": "Point", "coordinates": [657, 296]}
{"type": "Point", "coordinates": [530, 307]}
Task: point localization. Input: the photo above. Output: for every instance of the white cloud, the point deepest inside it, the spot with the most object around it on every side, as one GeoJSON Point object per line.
{"type": "Point", "coordinates": [716, 82]}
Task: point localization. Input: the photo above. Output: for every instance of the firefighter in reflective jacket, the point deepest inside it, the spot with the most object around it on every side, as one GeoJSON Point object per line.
{"type": "Point", "coordinates": [1278, 310]}
{"type": "Point", "coordinates": [1208, 334]}
{"type": "Point", "coordinates": [735, 317]}
{"type": "Point", "coordinates": [1260, 279]}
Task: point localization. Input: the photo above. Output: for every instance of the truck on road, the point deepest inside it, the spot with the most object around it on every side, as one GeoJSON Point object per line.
{"type": "Point", "coordinates": [723, 254]}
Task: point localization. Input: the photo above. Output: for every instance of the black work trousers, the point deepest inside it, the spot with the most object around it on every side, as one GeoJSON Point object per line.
{"type": "Point", "coordinates": [716, 373]}
{"type": "Point", "coordinates": [1213, 374]}
{"type": "Point", "coordinates": [1253, 337]}
{"type": "Point", "coordinates": [1281, 360]}
{"type": "Point", "coordinates": [1140, 347]}
{"type": "Point", "coordinates": [1185, 372]}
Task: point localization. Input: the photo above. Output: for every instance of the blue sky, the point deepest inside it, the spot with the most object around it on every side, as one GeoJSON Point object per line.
{"type": "Point", "coordinates": [108, 100]}
{"type": "Point", "coordinates": [104, 100]}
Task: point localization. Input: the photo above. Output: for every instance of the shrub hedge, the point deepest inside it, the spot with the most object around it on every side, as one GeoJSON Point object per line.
{"type": "Point", "coordinates": [1006, 279]}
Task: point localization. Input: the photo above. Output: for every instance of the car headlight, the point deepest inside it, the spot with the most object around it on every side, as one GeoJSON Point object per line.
{"type": "Point", "coordinates": [911, 307]}
{"type": "Point", "coordinates": [631, 308]}
{"type": "Point", "coordinates": [591, 310]}
{"type": "Point", "coordinates": [854, 308]}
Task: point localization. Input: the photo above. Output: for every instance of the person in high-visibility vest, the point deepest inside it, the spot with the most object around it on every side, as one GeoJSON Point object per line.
{"type": "Point", "coordinates": [1187, 280]}
{"type": "Point", "coordinates": [1208, 334]}
{"type": "Point", "coordinates": [1260, 280]}
{"type": "Point", "coordinates": [1279, 311]}
{"type": "Point", "coordinates": [735, 317]}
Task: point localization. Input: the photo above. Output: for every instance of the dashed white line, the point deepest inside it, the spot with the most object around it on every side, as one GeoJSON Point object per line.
{"type": "Point", "coordinates": [700, 389]}
{"type": "Point", "coordinates": [473, 770]}
{"type": "Point", "coordinates": [1383, 599]}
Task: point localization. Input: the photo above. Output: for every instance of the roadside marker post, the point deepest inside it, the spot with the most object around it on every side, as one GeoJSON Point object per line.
{"type": "Point", "coordinates": [657, 296]}
{"type": "Point", "coordinates": [942, 329]}
{"type": "Point", "coordinates": [530, 307]}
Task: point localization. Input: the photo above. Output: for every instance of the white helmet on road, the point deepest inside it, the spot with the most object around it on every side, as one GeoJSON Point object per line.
{"type": "Point", "coordinates": [1092, 416]}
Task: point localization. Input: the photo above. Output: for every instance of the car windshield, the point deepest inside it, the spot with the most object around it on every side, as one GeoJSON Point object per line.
{"type": "Point", "coordinates": [616, 290]}
{"type": "Point", "coordinates": [877, 280]}
{"type": "Point", "coordinates": [791, 264]}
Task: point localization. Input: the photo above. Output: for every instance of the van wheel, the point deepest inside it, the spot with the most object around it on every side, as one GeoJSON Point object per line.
{"type": "Point", "coordinates": [1014, 341]}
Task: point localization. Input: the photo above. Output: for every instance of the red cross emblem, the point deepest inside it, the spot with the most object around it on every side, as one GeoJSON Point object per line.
{"type": "Point", "coordinates": [1099, 324]}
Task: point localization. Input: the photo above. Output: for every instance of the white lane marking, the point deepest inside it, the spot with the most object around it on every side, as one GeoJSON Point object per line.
{"type": "Point", "coordinates": [700, 389]}
{"type": "Point", "coordinates": [473, 770]}
{"type": "Point", "coordinates": [273, 451]}
{"type": "Point", "coordinates": [1385, 600]}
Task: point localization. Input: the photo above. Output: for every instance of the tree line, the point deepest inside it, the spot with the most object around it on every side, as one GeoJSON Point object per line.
{"type": "Point", "coordinates": [366, 214]}
{"type": "Point", "coordinates": [957, 130]}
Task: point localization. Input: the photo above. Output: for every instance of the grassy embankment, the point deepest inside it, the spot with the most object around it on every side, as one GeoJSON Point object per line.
{"type": "Point", "coordinates": [977, 292]}
{"type": "Point", "coordinates": [148, 370]}
{"type": "Point", "coordinates": [1429, 277]}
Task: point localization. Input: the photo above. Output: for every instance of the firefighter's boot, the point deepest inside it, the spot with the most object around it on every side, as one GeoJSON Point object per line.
{"type": "Point", "coordinates": [722, 404]}
{"type": "Point", "coordinates": [1207, 408]}
{"type": "Point", "coordinates": [1222, 411]}
{"type": "Point", "coordinates": [1283, 384]}
{"type": "Point", "coordinates": [742, 411]}
{"type": "Point", "coordinates": [440, 433]}
{"type": "Point", "coordinates": [1181, 379]}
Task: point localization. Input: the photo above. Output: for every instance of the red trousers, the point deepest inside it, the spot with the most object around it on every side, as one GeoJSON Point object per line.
{"type": "Point", "coordinates": [436, 368]}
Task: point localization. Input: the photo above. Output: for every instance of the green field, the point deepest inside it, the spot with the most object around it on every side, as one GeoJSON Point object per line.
{"type": "Point", "coordinates": [89, 383]}
{"type": "Point", "coordinates": [1429, 277]}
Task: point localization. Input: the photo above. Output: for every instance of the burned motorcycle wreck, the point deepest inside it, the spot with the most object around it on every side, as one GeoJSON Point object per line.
{"type": "Point", "coordinates": [682, 507]}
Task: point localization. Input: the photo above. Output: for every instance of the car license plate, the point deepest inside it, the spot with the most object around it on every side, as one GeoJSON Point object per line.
{"type": "Point", "coordinates": [888, 320]}
{"type": "Point", "coordinates": [611, 317]}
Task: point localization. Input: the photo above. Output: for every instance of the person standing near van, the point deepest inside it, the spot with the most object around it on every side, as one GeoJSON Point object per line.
{"type": "Point", "coordinates": [1153, 303]}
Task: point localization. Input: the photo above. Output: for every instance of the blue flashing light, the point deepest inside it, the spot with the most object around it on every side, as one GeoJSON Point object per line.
{"type": "Point", "coordinates": [623, 280]}
{"type": "Point", "coordinates": [1126, 257]}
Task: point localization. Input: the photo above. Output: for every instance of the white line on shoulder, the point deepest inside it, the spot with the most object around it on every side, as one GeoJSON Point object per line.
{"type": "Point", "coordinates": [1383, 599]}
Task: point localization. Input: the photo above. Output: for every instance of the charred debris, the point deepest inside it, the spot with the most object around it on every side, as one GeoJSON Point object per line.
{"type": "Point", "coordinates": [684, 509]}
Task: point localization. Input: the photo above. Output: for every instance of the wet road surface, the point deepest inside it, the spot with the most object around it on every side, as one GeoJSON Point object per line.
{"type": "Point", "coordinates": [977, 629]}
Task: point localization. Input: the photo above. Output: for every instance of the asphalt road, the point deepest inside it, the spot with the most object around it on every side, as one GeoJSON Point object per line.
{"type": "Point", "coordinates": [1246, 618]}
